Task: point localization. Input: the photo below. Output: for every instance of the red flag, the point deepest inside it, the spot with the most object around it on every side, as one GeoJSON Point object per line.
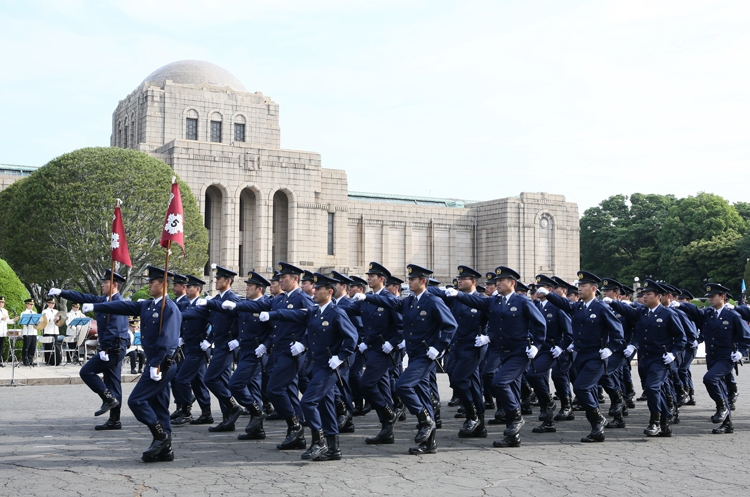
{"type": "Point", "coordinates": [119, 244]}
{"type": "Point", "coordinates": [173, 225]}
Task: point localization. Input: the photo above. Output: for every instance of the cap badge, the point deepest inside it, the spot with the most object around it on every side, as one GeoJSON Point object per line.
{"type": "Point", "coordinates": [499, 271]}
{"type": "Point", "coordinates": [410, 270]}
{"type": "Point", "coordinates": [281, 268]}
{"type": "Point", "coordinates": [580, 276]}
{"type": "Point", "coordinates": [460, 270]}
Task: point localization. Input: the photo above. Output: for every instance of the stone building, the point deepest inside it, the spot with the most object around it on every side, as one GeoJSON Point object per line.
{"type": "Point", "coordinates": [263, 204]}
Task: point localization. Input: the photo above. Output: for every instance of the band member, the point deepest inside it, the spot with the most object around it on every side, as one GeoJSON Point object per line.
{"type": "Point", "coordinates": [113, 342]}
{"type": "Point", "coordinates": [428, 327]}
{"type": "Point", "coordinates": [51, 330]}
{"type": "Point", "coordinates": [330, 338]}
{"type": "Point", "coordinates": [4, 319]}
{"type": "Point", "coordinates": [72, 331]}
{"type": "Point", "coordinates": [160, 333]}
{"type": "Point", "coordinates": [134, 353]}
{"type": "Point", "coordinates": [28, 352]}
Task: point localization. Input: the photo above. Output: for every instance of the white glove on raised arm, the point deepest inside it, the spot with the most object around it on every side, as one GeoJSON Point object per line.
{"type": "Point", "coordinates": [263, 317]}
{"type": "Point", "coordinates": [201, 302]}
{"type": "Point", "coordinates": [542, 291]}
{"type": "Point", "coordinates": [87, 308]}
{"type": "Point", "coordinates": [451, 292]}
{"type": "Point", "coordinates": [54, 291]}
{"type": "Point", "coordinates": [359, 296]}
{"type": "Point", "coordinates": [228, 304]}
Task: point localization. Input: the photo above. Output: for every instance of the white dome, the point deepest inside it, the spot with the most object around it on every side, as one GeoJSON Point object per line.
{"type": "Point", "coordinates": [195, 72]}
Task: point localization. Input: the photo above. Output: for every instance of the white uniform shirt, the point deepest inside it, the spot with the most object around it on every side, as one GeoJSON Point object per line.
{"type": "Point", "coordinates": [4, 318]}
{"type": "Point", "coordinates": [28, 330]}
{"type": "Point", "coordinates": [73, 330]}
{"type": "Point", "coordinates": [51, 328]}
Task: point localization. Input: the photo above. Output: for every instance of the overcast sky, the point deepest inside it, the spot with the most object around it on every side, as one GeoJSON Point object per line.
{"type": "Point", "coordinates": [467, 99]}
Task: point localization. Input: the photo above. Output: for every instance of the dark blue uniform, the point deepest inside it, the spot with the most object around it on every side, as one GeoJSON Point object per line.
{"type": "Point", "coordinates": [113, 339]}
{"type": "Point", "coordinates": [149, 400]}
{"type": "Point", "coordinates": [190, 377]}
{"type": "Point", "coordinates": [559, 334]}
{"type": "Point", "coordinates": [223, 330]}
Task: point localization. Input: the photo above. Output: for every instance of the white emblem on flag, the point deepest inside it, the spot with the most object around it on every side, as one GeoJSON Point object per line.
{"type": "Point", "coordinates": [115, 241]}
{"type": "Point", "coordinates": [174, 224]}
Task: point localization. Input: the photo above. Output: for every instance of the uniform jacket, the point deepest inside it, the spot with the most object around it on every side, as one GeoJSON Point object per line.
{"type": "Point", "coordinates": [109, 328]}
{"type": "Point", "coordinates": [559, 326]}
{"type": "Point", "coordinates": [379, 323]}
{"type": "Point", "coordinates": [194, 328]}
{"type": "Point", "coordinates": [720, 333]}
{"type": "Point", "coordinates": [252, 332]}
{"type": "Point", "coordinates": [592, 326]}
{"type": "Point", "coordinates": [224, 327]}
{"type": "Point", "coordinates": [655, 332]}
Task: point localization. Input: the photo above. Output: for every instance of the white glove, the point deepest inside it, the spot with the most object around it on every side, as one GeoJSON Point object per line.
{"type": "Point", "coordinates": [736, 357]}
{"type": "Point", "coordinates": [228, 304]}
{"type": "Point", "coordinates": [155, 374]}
{"type": "Point", "coordinates": [729, 306]}
{"type": "Point", "coordinates": [141, 300]}
{"type": "Point", "coordinates": [481, 340]}
{"type": "Point", "coordinates": [556, 352]}
{"type": "Point", "coordinates": [233, 344]}
{"type": "Point", "coordinates": [181, 342]}
{"type": "Point", "coordinates": [402, 345]}
{"type": "Point", "coordinates": [359, 296]}
{"type": "Point", "coordinates": [54, 291]}
{"type": "Point", "coordinates": [542, 291]}
{"type": "Point", "coordinates": [571, 347]}
{"type": "Point", "coordinates": [695, 344]}
{"type": "Point", "coordinates": [103, 356]}
{"type": "Point", "coordinates": [451, 292]}
{"type": "Point", "coordinates": [604, 353]}
{"type": "Point", "coordinates": [334, 362]}
{"type": "Point", "coordinates": [263, 317]}
{"type": "Point", "coordinates": [362, 347]}
{"type": "Point", "coordinates": [205, 345]}
{"type": "Point", "coordinates": [387, 348]}
{"type": "Point", "coordinates": [432, 353]}
{"type": "Point", "coordinates": [201, 302]}
{"type": "Point", "coordinates": [297, 348]}
{"type": "Point", "coordinates": [668, 358]}
{"type": "Point", "coordinates": [260, 350]}
{"type": "Point", "coordinates": [630, 350]}
{"type": "Point", "coordinates": [606, 300]}
{"type": "Point", "coordinates": [87, 308]}
{"type": "Point", "coordinates": [531, 352]}
{"type": "Point", "coordinates": [494, 293]}
{"type": "Point", "coordinates": [674, 303]}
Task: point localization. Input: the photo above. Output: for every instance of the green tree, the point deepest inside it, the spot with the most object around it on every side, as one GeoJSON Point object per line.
{"type": "Point", "coordinates": [57, 222]}
{"type": "Point", "coordinates": [12, 289]}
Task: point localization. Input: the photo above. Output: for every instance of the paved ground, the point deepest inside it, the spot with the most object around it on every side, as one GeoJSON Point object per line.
{"type": "Point", "coordinates": [48, 447]}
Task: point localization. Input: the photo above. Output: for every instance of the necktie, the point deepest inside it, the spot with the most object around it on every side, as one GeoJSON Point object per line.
{"type": "Point", "coordinates": [504, 300]}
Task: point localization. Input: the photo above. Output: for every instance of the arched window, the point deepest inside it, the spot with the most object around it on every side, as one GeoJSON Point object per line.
{"type": "Point", "coordinates": [191, 125]}
{"type": "Point", "coordinates": [239, 128]}
{"type": "Point", "coordinates": [280, 226]}
{"type": "Point", "coordinates": [216, 127]}
{"type": "Point", "coordinates": [545, 243]}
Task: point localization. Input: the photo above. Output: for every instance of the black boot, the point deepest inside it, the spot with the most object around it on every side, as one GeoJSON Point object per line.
{"type": "Point", "coordinates": [426, 426]}
{"type": "Point", "coordinates": [256, 418]}
{"type": "Point", "coordinates": [642, 398]}
{"type": "Point", "coordinates": [258, 433]}
{"type": "Point", "coordinates": [205, 418]}
{"type": "Point", "coordinates": [108, 402]}
{"type": "Point", "coordinates": [618, 422]}
{"type": "Point", "coordinates": [346, 422]}
{"type": "Point", "coordinates": [682, 395]}
{"type": "Point", "coordinates": [629, 395]}
{"type": "Point", "coordinates": [617, 402]}
{"type": "Point", "coordinates": [161, 446]}
{"type": "Point", "coordinates": [722, 411]}
{"type": "Point", "coordinates": [186, 416]}
{"type": "Point", "coordinates": [672, 407]}
{"type": "Point", "coordinates": [654, 425]}
{"type": "Point", "coordinates": [566, 410]}
{"type": "Point", "coordinates": [436, 412]}
{"type": "Point", "coordinates": [399, 408]}
{"type": "Point", "coordinates": [597, 422]}
{"type": "Point", "coordinates": [471, 424]}
{"type": "Point", "coordinates": [295, 435]}
{"type": "Point", "coordinates": [576, 406]}
{"type": "Point", "coordinates": [691, 398]}
{"type": "Point", "coordinates": [732, 393]}
{"type": "Point", "coordinates": [385, 436]}
{"type": "Point", "coordinates": [317, 445]}
{"type": "Point", "coordinates": [460, 413]}
{"type": "Point", "coordinates": [547, 409]}
{"type": "Point", "coordinates": [454, 401]}
{"type": "Point", "coordinates": [334, 450]}
{"type": "Point", "coordinates": [177, 412]}
{"type": "Point", "coordinates": [726, 427]}
{"type": "Point", "coordinates": [428, 446]}
{"type": "Point", "coordinates": [513, 423]}
{"type": "Point", "coordinates": [666, 431]}
{"type": "Point", "coordinates": [230, 418]}
{"type": "Point", "coordinates": [113, 423]}
{"type": "Point", "coordinates": [547, 426]}
{"type": "Point", "coordinates": [489, 402]}
{"type": "Point", "coordinates": [601, 395]}
{"type": "Point", "coordinates": [499, 417]}
{"type": "Point", "coordinates": [508, 441]}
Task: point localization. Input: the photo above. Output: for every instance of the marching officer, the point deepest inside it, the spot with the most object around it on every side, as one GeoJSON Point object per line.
{"type": "Point", "coordinates": [160, 334]}
{"type": "Point", "coordinates": [114, 341]}
{"type": "Point", "coordinates": [516, 330]}
{"type": "Point", "coordinates": [331, 339]}
{"type": "Point", "coordinates": [246, 381]}
{"type": "Point", "coordinates": [428, 328]}
{"type": "Point", "coordinates": [596, 332]}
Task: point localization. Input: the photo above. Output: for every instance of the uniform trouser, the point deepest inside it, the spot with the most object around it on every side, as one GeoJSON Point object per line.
{"type": "Point", "coordinates": [355, 375]}
{"type": "Point", "coordinates": [149, 400]}
{"type": "Point", "coordinates": [684, 368]}
{"type": "Point", "coordinates": [539, 381]}
{"type": "Point", "coordinates": [396, 370]}
{"type": "Point", "coordinates": [317, 401]}
{"type": "Point", "coordinates": [283, 388]}
{"type": "Point", "coordinates": [2, 348]}
{"type": "Point", "coordinates": [217, 376]}
{"type": "Point", "coordinates": [655, 376]}
{"type": "Point", "coordinates": [28, 352]}
{"type": "Point", "coordinates": [375, 384]}
{"type": "Point", "coordinates": [463, 371]}
{"type": "Point", "coordinates": [506, 384]}
{"type": "Point", "coordinates": [433, 385]}
{"type": "Point", "coordinates": [492, 361]}
{"type": "Point", "coordinates": [561, 374]}
{"type": "Point", "coordinates": [190, 376]}
{"type": "Point", "coordinates": [246, 380]}
{"type": "Point", "coordinates": [267, 368]}
{"type": "Point", "coordinates": [590, 370]}
{"type": "Point", "coordinates": [344, 394]}
{"type": "Point", "coordinates": [141, 358]}
{"type": "Point", "coordinates": [611, 381]}
{"type": "Point", "coordinates": [413, 386]}
{"type": "Point", "coordinates": [110, 369]}
{"type": "Point", "coordinates": [305, 373]}
{"type": "Point", "coordinates": [674, 370]}
{"type": "Point", "coordinates": [715, 378]}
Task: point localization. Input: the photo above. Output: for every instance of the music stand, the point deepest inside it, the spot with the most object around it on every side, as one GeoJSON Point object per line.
{"type": "Point", "coordinates": [82, 323]}
{"type": "Point", "coordinates": [24, 320]}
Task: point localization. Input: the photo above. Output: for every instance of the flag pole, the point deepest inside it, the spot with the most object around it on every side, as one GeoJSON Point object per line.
{"type": "Point", "coordinates": [166, 283]}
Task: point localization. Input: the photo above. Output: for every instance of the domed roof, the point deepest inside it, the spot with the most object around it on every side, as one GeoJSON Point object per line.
{"type": "Point", "coordinates": [195, 72]}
